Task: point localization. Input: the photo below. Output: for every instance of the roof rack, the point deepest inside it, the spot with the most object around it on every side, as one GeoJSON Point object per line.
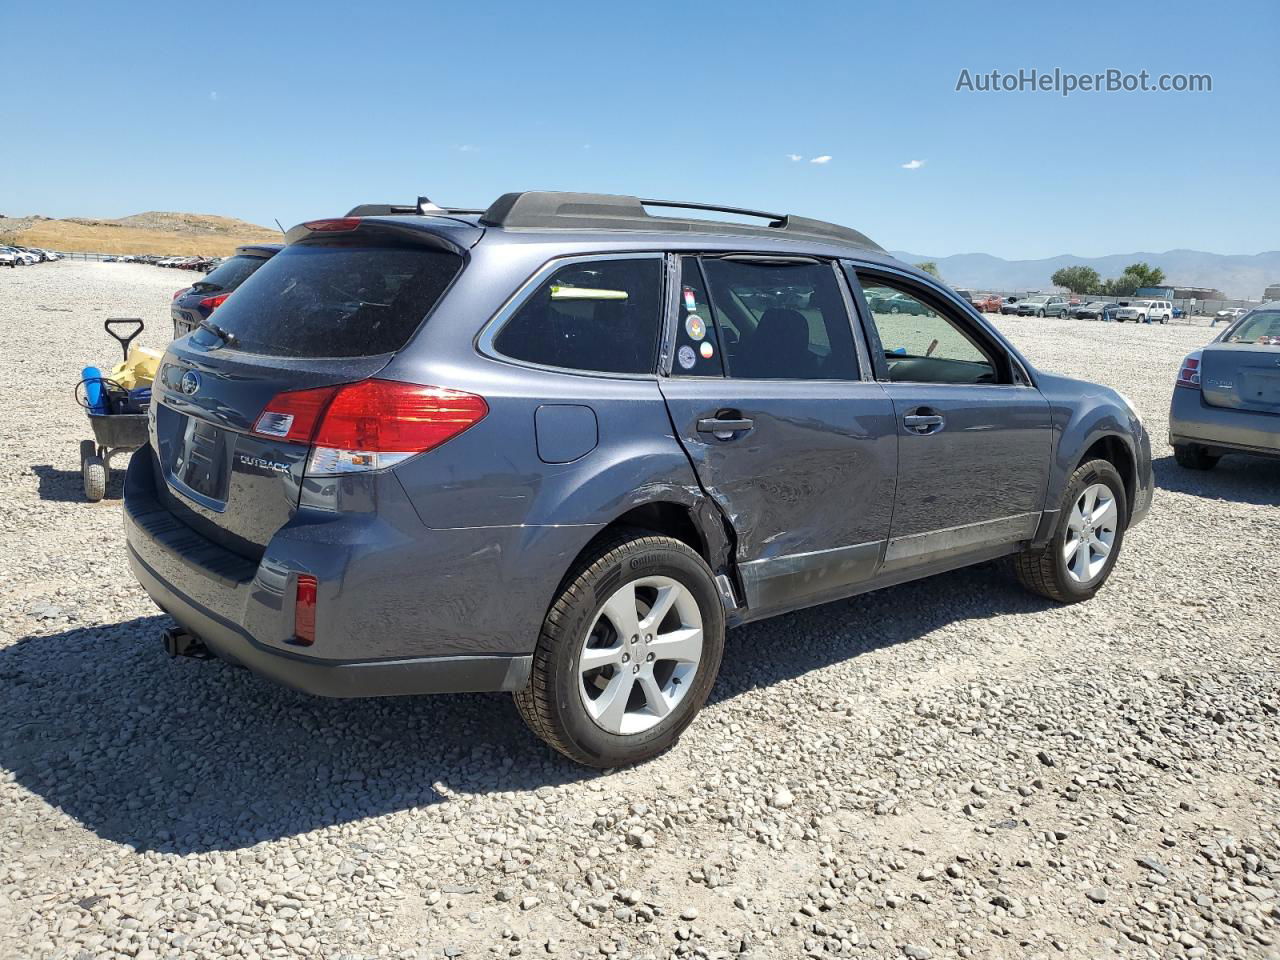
{"type": "Point", "coordinates": [542, 209]}
{"type": "Point", "coordinates": [424, 207]}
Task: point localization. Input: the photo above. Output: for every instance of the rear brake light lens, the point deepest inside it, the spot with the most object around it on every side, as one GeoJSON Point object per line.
{"type": "Point", "coordinates": [1189, 373]}
{"type": "Point", "coordinates": [333, 225]}
{"type": "Point", "coordinates": [213, 303]}
{"type": "Point", "coordinates": [369, 425]}
{"type": "Point", "coordinates": [304, 611]}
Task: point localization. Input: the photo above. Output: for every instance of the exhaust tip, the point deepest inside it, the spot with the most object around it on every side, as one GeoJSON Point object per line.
{"type": "Point", "coordinates": [181, 643]}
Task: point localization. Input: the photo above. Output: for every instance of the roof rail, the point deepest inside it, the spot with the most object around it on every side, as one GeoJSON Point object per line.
{"type": "Point", "coordinates": [424, 206]}
{"type": "Point", "coordinates": [542, 209]}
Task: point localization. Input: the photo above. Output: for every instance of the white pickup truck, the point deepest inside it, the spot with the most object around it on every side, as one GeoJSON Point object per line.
{"type": "Point", "coordinates": [1146, 311]}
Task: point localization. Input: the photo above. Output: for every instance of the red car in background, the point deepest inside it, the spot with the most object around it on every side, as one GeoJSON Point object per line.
{"type": "Point", "coordinates": [987, 303]}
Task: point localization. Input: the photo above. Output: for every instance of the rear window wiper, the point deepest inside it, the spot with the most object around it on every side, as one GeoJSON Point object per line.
{"type": "Point", "coordinates": [226, 336]}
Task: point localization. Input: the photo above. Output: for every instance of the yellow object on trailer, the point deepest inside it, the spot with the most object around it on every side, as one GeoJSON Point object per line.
{"type": "Point", "coordinates": [138, 369]}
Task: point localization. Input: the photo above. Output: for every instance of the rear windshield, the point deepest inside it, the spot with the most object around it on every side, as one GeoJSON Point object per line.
{"type": "Point", "coordinates": [333, 300]}
{"type": "Point", "coordinates": [229, 274]}
{"type": "Point", "coordinates": [1261, 326]}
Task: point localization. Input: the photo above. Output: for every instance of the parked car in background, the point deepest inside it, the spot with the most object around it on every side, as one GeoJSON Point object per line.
{"type": "Point", "coordinates": [1228, 315]}
{"type": "Point", "coordinates": [1227, 396]}
{"type": "Point", "coordinates": [1009, 307]}
{"type": "Point", "coordinates": [8, 257]}
{"type": "Point", "coordinates": [1146, 311]}
{"type": "Point", "coordinates": [987, 303]}
{"type": "Point", "coordinates": [890, 302]}
{"type": "Point", "coordinates": [539, 449]}
{"type": "Point", "coordinates": [1092, 310]}
{"type": "Point", "coordinates": [965, 294]}
{"type": "Point", "coordinates": [192, 305]}
{"type": "Point", "coordinates": [1043, 306]}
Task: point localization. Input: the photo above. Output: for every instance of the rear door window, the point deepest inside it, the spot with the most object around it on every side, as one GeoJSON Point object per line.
{"type": "Point", "coordinates": [780, 320]}
{"type": "Point", "coordinates": [335, 300]}
{"type": "Point", "coordinates": [601, 316]}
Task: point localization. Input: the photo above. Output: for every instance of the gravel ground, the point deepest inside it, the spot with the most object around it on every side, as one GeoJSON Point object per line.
{"type": "Point", "coordinates": [947, 769]}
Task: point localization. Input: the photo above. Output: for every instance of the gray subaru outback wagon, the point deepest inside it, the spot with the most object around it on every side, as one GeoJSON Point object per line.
{"type": "Point", "coordinates": [558, 446]}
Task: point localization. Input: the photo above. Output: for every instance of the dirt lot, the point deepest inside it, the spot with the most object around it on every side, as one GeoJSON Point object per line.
{"type": "Point", "coordinates": [951, 768]}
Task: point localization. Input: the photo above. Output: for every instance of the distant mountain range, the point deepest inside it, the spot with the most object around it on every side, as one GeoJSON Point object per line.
{"type": "Point", "coordinates": [1236, 275]}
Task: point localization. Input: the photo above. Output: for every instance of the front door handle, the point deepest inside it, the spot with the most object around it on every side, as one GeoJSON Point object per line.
{"type": "Point", "coordinates": [923, 423]}
{"type": "Point", "coordinates": [720, 425]}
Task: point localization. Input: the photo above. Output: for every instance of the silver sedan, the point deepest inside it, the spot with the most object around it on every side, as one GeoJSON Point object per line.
{"type": "Point", "coordinates": [1227, 398]}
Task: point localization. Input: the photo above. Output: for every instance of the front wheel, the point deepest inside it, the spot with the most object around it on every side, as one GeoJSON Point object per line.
{"type": "Point", "coordinates": [1040, 314]}
{"type": "Point", "coordinates": [627, 654]}
{"type": "Point", "coordinates": [1079, 557]}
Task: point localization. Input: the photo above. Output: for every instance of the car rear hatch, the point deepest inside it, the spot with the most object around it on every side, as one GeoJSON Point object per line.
{"type": "Point", "coordinates": [1243, 376]}
{"type": "Point", "coordinates": [332, 308]}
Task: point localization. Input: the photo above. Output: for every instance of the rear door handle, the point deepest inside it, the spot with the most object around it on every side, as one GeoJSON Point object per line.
{"type": "Point", "coordinates": [923, 423]}
{"type": "Point", "coordinates": [718, 425]}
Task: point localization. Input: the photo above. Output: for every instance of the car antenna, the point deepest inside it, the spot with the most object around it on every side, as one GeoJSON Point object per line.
{"type": "Point", "coordinates": [278, 224]}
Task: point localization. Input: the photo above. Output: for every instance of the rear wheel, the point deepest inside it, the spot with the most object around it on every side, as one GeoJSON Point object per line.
{"type": "Point", "coordinates": [1079, 557]}
{"type": "Point", "coordinates": [1194, 457]}
{"type": "Point", "coordinates": [627, 653]}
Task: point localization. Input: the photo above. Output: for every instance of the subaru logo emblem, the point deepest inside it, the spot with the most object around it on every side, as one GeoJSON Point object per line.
{"type": "Point", "coordinates": [189, 383]}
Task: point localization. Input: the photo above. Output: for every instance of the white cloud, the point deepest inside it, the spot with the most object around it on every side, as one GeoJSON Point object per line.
{"type": "Point", "coordinates": [913, 165]}
{"type": "Point", "coordinates": [794, 157]}
{"type": "Point", "coordinates": [825, 158]}
{"type": "Point", "coordinates": [467, 148]}
{"type": "Point", "coordinates": [213, 94]}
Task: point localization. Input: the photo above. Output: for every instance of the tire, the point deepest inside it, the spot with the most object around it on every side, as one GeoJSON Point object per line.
{"type": "Point", "coordinates": [1055, 570]}
{"type": "Point", "coordinates": [1142, 318]}
{"type": "Point", "coordinates": [894, 310]}
{"type": "Point", "coordinates": [93, 471]}
{"type": "Point", "coordinates": [1040, 314]}
{"type": "Point", "coordinates": [555, 703]}
{"type": "Point", "coordinates": [1194, 457]}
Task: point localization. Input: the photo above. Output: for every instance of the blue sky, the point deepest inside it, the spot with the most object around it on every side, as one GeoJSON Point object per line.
{"type": "Point", "coordinates": [296, 110]}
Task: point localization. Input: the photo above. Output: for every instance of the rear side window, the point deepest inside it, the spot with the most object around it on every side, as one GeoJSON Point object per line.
{"type": "Point", "coordinates": [781, 321]}
{"type": "Point", "coordinates": [229, 274]}
{"type": "Point", "coordinates": [597, 315]}
{"type": "Point", "coordinates": [335, 300]}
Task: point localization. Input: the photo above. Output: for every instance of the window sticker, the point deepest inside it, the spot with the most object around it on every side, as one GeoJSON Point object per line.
{"type": "Point", "coordinates": [690, 301]}
{"type": "Point", "coordinates": [687, 357]}
{"type": "Point", "coordinates": [694, 326]}
{"type": "Point", "coordinates": [706, 350]}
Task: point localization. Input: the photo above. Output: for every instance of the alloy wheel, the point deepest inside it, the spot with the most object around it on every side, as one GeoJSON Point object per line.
{"type": "Point", "coordinates": [640, 656]}
{"type": "Point", "coordinates": [1091, 533]}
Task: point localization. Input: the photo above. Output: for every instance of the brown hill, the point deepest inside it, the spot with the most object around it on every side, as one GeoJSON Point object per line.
{"type": "Point", "coordinates": [151, 232]}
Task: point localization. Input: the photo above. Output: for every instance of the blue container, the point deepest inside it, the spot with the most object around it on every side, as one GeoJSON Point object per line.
{"type": "Point", "coordinates": [94, 395]}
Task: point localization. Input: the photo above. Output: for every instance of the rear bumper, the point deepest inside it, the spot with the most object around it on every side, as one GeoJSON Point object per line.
{"type": "Point", "coordinates": [1221, 429]}
{"type": "Point", "coordinates": [243, 613]}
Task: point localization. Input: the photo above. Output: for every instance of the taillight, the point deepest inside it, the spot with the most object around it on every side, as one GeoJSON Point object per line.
{"type": "Point", "coordinates": [1189, 373]}
{"type": "Point", "coordinates": [304, 611]}
{"type": "Point", "coordinates": [333, 225]}
{"type": "Point", "coordinates": [213, 303]}
{"type": "Point", "coordinates": [369, 425]}
{"type": "Point", "coordinates": [178, 293]}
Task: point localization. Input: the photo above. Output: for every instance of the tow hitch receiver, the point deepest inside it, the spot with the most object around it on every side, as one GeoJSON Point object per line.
{"type": "Point", "coordinates": [180, 643]}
